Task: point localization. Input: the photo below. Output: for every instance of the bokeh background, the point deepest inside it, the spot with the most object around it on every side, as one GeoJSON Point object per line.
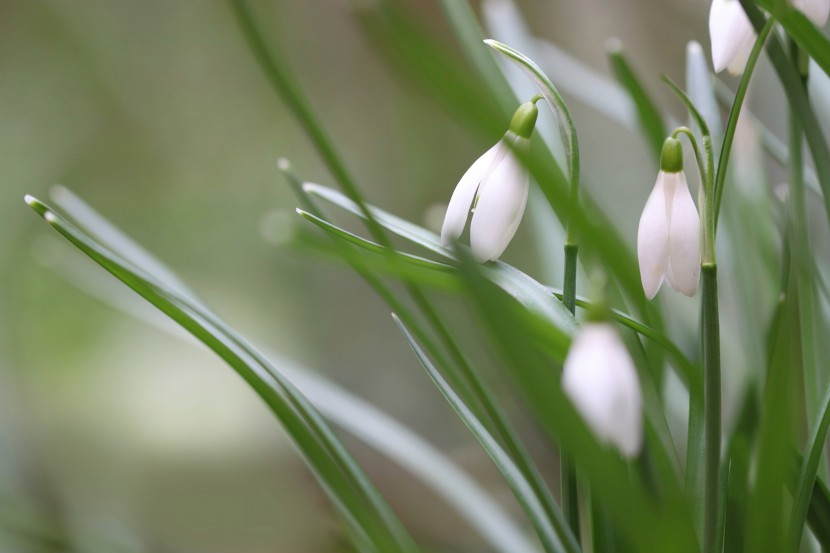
{"type": "Point", "coordinates": [115, 436]}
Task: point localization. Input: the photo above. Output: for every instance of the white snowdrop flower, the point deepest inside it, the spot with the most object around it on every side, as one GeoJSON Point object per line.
{"type": "Point", "coordinates": [495, 190]}
{"type": "Point", "coordinates": [732, 36]}
{"type": "Point", "coordinates": [668, 237]}
{"type": "Point", "coordinates": [601, 381]}
{"type": "Point", "coordinates": [816, 11]}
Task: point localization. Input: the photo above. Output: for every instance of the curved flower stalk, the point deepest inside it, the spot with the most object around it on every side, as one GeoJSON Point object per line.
{"type": "Point", "coordinates": [733, 35]}
{"type": "Point", "coordinates": [601, 381]}
{"type": "Point", "coordinates": [668, 237]}
{"type": "Point", "coordinates": [494, 189]}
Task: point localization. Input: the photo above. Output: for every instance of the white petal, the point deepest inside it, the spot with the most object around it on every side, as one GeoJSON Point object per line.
{"type": "Point", "coordinates": [816, 11]}
{"type": "Point", "coordinates": [600, 379]}
{"type": "Point", "coordinates": [729, 31]}
{"type": "Point", "coordinates": [684, 240]}
{"type": "Point", "coordinates": [462, 198]}
{"type": "Point", "coordinates": [501, 204]}
{"type": "Point", "coordinates": [653, 236]}
{"type": "Point", "coordinates": [738, 64]}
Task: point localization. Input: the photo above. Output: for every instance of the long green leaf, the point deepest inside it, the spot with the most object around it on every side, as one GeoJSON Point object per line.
{"type": "Point", "coordinates": [348, 411]}
{"type": "Point", "coordinates": [554, 534]}
{"type": "Point", "coordinates": [652, 523]}
{"type": "Point", "coordinates": [804, 486]}
{"type": "Point", "coordinates": [651, 121]}
{"type": "Point", "coordinates": [529, 292]}
{"type": "Point", "coordinates": [797, 97]}
{"type": "Point", "coordinates": [370, 520]}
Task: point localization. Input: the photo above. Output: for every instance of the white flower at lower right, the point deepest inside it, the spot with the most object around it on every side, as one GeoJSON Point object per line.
{"type": "Point", "coordinates": [600, 379]}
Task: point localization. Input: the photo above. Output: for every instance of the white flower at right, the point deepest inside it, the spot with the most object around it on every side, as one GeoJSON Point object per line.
{"type": "Point", "coordinates": [733, 35]}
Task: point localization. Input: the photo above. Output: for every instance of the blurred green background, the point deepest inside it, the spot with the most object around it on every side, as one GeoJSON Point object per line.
{"type": "Point", "coordinates": [118, 437]}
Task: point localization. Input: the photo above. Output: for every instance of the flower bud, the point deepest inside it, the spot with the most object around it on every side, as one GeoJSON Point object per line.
{"type": "Point", "coordinates": [668, 236]}
{"type": "Point", "coordinates": [495, 190]}
{"type": "Point", "coordinates": [600, 379]}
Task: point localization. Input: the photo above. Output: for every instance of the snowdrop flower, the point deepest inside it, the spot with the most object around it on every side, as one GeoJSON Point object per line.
{"type": "Point", "coordinates": [495, 190]}
{"type": "Point", "coordinates": [600, 379]}
{"type": "Point", "coordinates": [733, 35]}
{"type": "Point", "coordinates": [668, 238]}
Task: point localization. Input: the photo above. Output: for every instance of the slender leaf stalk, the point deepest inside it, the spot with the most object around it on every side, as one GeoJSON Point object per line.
{"type": "Point", "coordinates": [712, 406]}
{"type": "Point", "coordinates": [735, 112]}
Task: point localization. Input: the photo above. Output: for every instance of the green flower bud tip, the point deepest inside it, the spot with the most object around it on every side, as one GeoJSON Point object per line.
{"type": "Point", "coordinates": [524, 120]}
{"type": "Point", "coordinates": [671, 158]}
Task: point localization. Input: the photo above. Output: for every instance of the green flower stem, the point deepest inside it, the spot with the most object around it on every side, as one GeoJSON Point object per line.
{"type": "Point", "coordinates": [711, 405]}
{"type": "Point", "coordinates": [570, 493]}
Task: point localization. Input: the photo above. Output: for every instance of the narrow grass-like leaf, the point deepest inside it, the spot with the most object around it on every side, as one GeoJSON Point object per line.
{"type": "Point", "coordinates": [348, 411]}
{"type": "Point", "coordinates": [651, 121]}
{"type": "Point", "coordinates": [529, 292]}
{"type": "Point", "coordinates": [554, 100]}
{"type": "Point", "coordinates": [735, 112]}
{"type": "Point", "coordinates": [649, 522]}
{"type": "Point", "coordinates": [372, 523]}
{"type": "Point", "coordinates": [690, 105]}
{"type": "Point", "coordinates": [554, 534]}
{"type": "Point", "coordinates": [807, 472]}
{"type": "Point", "coordinates": [797, 97]}
{"type": "Point", "coordinates": [806, 34]}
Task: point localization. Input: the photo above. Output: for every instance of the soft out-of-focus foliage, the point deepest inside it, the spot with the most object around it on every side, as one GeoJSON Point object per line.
{"type": "Point", "coordinates": [116, 437]}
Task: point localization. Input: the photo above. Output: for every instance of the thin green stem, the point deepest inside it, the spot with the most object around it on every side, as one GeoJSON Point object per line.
{"type": "Point", "coordinates": [711, 406]}
{"type": "Point", "coordinates": [734, 113]}
{"type": "Point", "coordinates": [570, 492]}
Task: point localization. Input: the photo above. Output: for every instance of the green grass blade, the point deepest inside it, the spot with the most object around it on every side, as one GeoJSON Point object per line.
{"type": "Point", "coordinates": [651, 121]}
{"type": "Point", "coordinates": [808, 471]}
{"type": "Point", "coordinates": [690, 105]}
{"type": "Point", "coordinates": [554, 534]}
{"type": "Point", "coordinates": [734, 113]}
{"type": "Point", "coordinates": [346, 410]}
{"type": "Point", "coordinates": [808, 36]}
{"type": "Point", "coordinates": [370, 520]}
{"type": "Point", "coordinates": [284, 83]}
{"type": "Point", "coordinates": [529, 292]}
{"type": "Point", "coordinates": [641, 519]}
{"type": "Point", "coordinates": [797, 97]}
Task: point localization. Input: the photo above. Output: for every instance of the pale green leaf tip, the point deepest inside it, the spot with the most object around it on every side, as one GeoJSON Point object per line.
{"type": "Point", "coordinates": [283, 164]}
{"type": "Point", "coordinates": [30, 200]}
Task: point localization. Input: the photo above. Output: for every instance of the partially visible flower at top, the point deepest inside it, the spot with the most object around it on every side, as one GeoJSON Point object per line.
{"type": "Point", "coordinates": [494, 189]}
{"type": "Point", "coordinates": [668, 237]}
{"type": "Point", "coordinates": [600, 379]}
{"type": "Point", "coordinates": [816, 11]}
{"type": "Point", "coordinates": [733, 35]}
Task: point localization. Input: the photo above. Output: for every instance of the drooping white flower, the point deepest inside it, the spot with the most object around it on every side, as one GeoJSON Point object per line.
{"type": "Point", "coordinates": [732, 36]}
{"type": "Point", "coordinates": [601, 381]}
{"type": "Point", "coordinates": [668, 237]}
{"type": "Point", "coordinates": [495, 190]}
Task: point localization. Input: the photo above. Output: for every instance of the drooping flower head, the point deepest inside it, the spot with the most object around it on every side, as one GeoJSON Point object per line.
{"type": "Point", "coordinates": [495, 190]}
{"type": "Point", "coordinates": [600, 379]}
{"type": "Point", "coordinates": [668, 237]}
{"type": "Point", "coordinates": [733, 35]}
